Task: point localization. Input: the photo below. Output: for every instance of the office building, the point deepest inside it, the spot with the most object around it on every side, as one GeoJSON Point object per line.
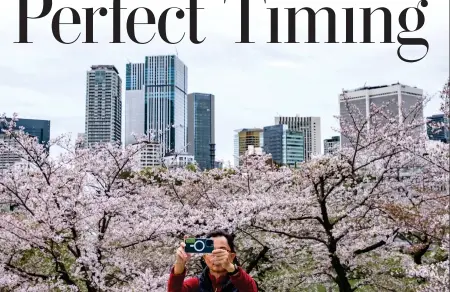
{"type": "Point", "coordinates": [332, 145]}
{"type": "Point", "coordinates": [103, 105]}
{"type": "Point", "coordinates": [36, 128]}
{"type": "Point", "coordinates": [165, 108]}
{"type": "Point", "coordinates": [401, 101]}
{"type": "Point", "coordinates": [134, 76]}
{"type": "Point", "coordinates": [156, 102]}
{"type": "Point", "coordinates": [40, 129]}
{"type": "Point", "coordinates": [285, 146]}
{"type": "Point", "coordinates": [150, 155]}
{"type": "Point", "coordinates": [134, 102]}
{"type": "Point", "coordinates": [438, 128]}
{"type": "Point", "coordinates": [243, 138]}
{"type": "Point", "coordinates": [200, 129]}
{"type": "Point", "coordinates": [178, 160]}
{"type": "Point", "coordinates": [8, 157]}
{"type": "Point", "coordinates": [310, 127]}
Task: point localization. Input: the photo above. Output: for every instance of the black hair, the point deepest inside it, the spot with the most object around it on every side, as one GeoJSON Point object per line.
{"type": "Point", "coordinates": [228, 236]}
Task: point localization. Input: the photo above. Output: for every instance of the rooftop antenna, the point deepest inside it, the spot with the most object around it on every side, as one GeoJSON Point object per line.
{"type": "Point", "coordinates": [176, 51]}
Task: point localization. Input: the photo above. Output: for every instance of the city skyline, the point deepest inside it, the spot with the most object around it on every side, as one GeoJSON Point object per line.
{"type": "Point", "coordinates": [138, 91]}
{"type": "Point", "coordinates": [252, 82]}
{"type": "Point", "coordinates": [227, 123]}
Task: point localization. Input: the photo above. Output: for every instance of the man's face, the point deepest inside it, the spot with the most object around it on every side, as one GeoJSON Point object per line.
{"type": "Point", "coordinates": [219, 243]}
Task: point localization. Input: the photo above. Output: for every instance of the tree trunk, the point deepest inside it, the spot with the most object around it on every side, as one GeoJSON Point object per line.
{"type": "Point", "coordinates": [341, 279]}
{"type": "Point", "coordinates": [420, 253]}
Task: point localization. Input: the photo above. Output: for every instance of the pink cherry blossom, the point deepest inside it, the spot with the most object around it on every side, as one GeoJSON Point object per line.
{"type": "Point", "coordinates": [374, 214]}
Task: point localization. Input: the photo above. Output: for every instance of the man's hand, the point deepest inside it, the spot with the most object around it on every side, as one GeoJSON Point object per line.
{"type": "Point", "coordinates": [223, 259]}
{"type": "Point", "coordinates": [181, 259]}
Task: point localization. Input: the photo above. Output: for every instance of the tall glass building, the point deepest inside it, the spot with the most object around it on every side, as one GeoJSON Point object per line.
{"type": "Point", "coordinates": [201, 134]}
{"type": "Point", "coordinates": [438, 128]}
{"type": "Point", "coordinates": [156, 101]}
{"type": "Point", "coordinates": [286, 147]}
{"type": "Point", "coordinates": [166, 101]}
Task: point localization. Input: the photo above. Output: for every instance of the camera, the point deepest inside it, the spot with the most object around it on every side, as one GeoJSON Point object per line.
{"type": "Point", "coordinates": [199, 245]}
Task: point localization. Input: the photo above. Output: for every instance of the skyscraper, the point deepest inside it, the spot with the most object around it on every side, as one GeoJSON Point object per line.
{"type": "Point", "coordinates": [165, 101]}
{"type": "Point", "coordinates": [103, 105]}
{"type": "Point", "coordinates": [134, 101]}
{"type": "Point", "coordinates": [438, 128]}
{"type": "Point", "coordinates": [400, 100]}
{"type": "Point", "coordinates": [330, 146]}
{"type": "Point", "coordinates": [200, 128]}
{"type": "Point", "coordinates": [36, 128]}
{"type": "Point", "coordinates": [243, 138]}
{"type": "Point", "coordinates": [285, 146]}
{"type": "Point", "coordinates": [310, 127]}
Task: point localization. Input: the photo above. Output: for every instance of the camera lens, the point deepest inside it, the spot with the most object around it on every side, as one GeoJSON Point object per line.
{"type": "Point", "coordinates": [199, 246]}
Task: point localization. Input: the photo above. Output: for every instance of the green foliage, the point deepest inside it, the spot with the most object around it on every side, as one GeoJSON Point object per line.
{"type": "Point", "coordinates": [439, 255]}
{"type": "Point", "coordinates": [191, 167]}
{"type": "Point", "coordinates": [126, 175]}
{"type": "Point", "coordinates": [151, 175]}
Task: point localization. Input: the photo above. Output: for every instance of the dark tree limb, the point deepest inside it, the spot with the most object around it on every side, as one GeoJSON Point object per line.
{"type": "Point", "coordinates": [370, 248]}
{"type": "Point", "coordinates": [254, 263]}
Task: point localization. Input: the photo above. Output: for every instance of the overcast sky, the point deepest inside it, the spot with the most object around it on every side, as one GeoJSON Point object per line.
{"type": "Point", "coordinates": [252, 82]}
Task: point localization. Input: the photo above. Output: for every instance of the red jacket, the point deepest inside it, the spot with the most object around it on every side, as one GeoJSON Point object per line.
{"type": "Point", "coordinates": [242, 281]}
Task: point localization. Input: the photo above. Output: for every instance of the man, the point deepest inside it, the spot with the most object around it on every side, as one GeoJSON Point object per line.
{"type": "Point", "coordinates": [220, 274]}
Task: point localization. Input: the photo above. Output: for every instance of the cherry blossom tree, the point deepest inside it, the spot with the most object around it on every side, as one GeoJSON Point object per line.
{"type": "Point", "coordinates": [425, 216]}
{"type": "Point", "coordinates": [334, 209]}
{"type": "Point", "coordinates": [372, 216]}
{"type": "Point", "coordinates": [74, 223]}
{"type": "Point", "coordinates": [89, 220]}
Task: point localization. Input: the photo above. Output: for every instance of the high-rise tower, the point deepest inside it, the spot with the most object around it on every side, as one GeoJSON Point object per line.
{"type": "Point", "coordinates": [134, 101]}
{"type": "Point", "coordinates": [201, 134]}
{"type": "Point", "coordinates": [103, 105]}
{"type": "Point", "coordinates": [165, 101]}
